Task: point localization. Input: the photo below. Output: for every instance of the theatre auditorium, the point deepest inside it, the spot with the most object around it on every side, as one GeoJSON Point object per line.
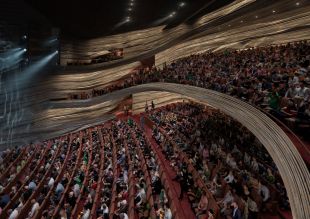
{"type": "Point", "coordinates": [155, 109]}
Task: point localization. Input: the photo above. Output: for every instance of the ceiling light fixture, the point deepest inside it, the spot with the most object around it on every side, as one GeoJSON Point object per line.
{"type": "Point", "coordinates": [297, 3]}
{"type": "Point", "coordinates": [127, 19]}
{"type": "Point", "coordinates": [182, 4]}
{"type": "Point", "coordinates": [241, 21]}
{"type": "Point", "coordinates": [172, 14]}
{"type": "Point", "coordinates": [256, 16]}
{"type": "Point", "coordinates": [273, 11]}
{"type": "Point", "coordinates": [129, 9]}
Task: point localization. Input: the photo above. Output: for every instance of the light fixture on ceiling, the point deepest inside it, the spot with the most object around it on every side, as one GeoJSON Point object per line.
{"type": "Point", "coordinates": [129, 9]}
{"type": "Point", "coordinates": [131, 4]}
{"type": "Point", "coordinates": [127, 19]}
{"type": "Point", "coordinates": [229, 25]}
{"type": "Point", "coordinates": [297, 3]}
{"type": "Point", "coordinates": [182, 4]}
{"type": "Point", "coordinates": [273, 11]}
{"type": "Point", "coordinates": [256, 16]}
{"type": "Point", "coordinates": [25, 50]}
{"type": "Point", "coordinates": [172, 14]}
{"type": "Point", "coordinates": [241, 21]}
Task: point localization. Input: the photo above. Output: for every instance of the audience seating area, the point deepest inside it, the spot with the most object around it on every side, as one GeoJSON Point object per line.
{"type": "Point", "coordinates": [183, 160]}
{"type": "Point", "coordinates": [274, 78]}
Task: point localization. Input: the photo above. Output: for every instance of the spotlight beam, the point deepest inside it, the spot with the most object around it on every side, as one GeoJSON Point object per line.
{"type": "Point", "coordinates": [30, 73]}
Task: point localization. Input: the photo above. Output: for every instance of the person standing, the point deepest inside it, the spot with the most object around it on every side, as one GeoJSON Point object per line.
{"type": "Point", "coordinates": [146, 107]}
{"type": "Point", "coordinates": [142, 122]}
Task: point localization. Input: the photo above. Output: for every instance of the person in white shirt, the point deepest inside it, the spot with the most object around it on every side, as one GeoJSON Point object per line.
{"type": "Point", "coordinates": [141, 196]}
{"type": "Point", "coordinates": [123, 216]}
{"type": "Point", "coordinates": [125, 176]}
{"type": "Point", "coordinates": [76, 190]}
{"type": "Point", "coordinates": [105, 210]}
{"type": "Point", "coordinates": [263, 191]}
{"type": "Point", "coordinates": [51, 182]}
{"type": "Point", "coordinates": [254, 165]}
{"type": "Point", "coordinates": [228, 198]}
{"type": "Point", "coordinates": [303, 92]}
{"type": "Point", "coordinates": [247, 159]}
{"type": "Point", "coordinates": [34, 209]}
{"type": "Point", "coordinates": [230, 177]}
{"type": "Point", "coordinates": [15, 213]}
{"type": "Point", "coordinates": [86, 213]}
{"type": "Point", "coordinates": [168, 213]}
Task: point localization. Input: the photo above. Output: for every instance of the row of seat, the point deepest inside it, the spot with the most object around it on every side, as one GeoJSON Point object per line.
{"type": "Point", "coordinates": [146, 173]}
{"type": "Point", "coordinates": [274, 191]}
{"type": "Point", "coordinates": [176, 134]}
{"type": "Point", "coordinates": [198, 181]}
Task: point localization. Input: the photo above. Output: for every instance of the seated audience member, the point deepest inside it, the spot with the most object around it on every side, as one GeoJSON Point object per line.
{"type": "Point", "coordinates": [63, 214]}
{"type": "Point", "coordinates": [236, 212]}
{"type": "Point", "coordinates": [167, 212]}
{"type": "Point", "coordinates": [230, 179]}
{"type": "Point", "coordinates": [34, 208]}
{"type": "Point", "coordinates": [202, 206]}
{"type": "Point", "coordinates": [141, 195]}
{"type": "Point", "coordinates": [15, 212]}
{"type": "Point", "coordinates": [224, 203]}
{"type": "Point", "coordinates": [210, 214]}
{"type": "Point", "coordinates": [163, 197]}
{"type": "Point", "coordinates": [123, 216]}
{"type": "Point", "coordinates": [252, 208]}
{"type": "Point", "coordinates": [264, 192]}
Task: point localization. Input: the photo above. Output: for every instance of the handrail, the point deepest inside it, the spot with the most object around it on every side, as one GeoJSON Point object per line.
{"type": "Point", "coordinates": [300, 146]}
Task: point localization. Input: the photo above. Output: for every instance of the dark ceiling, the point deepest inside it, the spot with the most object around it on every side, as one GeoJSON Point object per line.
{"type": "Point", "coordinates": [94, 18]}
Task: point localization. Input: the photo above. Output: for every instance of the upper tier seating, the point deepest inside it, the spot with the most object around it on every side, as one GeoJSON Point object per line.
{"type": "Point", "coordinates": [274, 78]}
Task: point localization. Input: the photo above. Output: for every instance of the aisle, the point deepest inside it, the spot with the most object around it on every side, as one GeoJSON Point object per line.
{"type": "Point", "coordinates": [186, 208]}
